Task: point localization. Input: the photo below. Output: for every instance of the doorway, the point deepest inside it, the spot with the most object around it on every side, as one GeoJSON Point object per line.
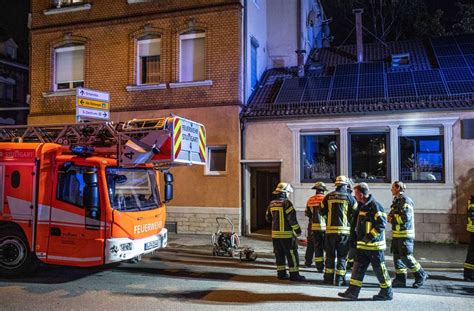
{"type": "Point", "coordinates": [263, 182]}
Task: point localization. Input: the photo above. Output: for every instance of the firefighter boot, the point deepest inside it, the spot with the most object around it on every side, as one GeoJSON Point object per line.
{"type": "Point", "coordinates": [320, 266]}
{"type": "Point", "coordinates": [399, 281]}
{"type": "Point", "coordinates": [340, 280]}
{"type": "Point", "coordinates": [282, 275]}
{"type": "Point", "coordinates": [468, 275]}
{"type": "Point", "coordinates": [328, 278]}
{"type": "Point", "coordinates": [352, 293]}
{"type": "Point", "coordinates": [384, 294]}
{"type": "Point", "coordinates": [420, 278]}
{"type": "Point", "coordinates": [296, 277]}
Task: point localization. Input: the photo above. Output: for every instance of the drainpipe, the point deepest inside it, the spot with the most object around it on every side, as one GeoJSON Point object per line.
{"type": "Point", "coordinates": [300, 37]}
{"type": "Point", "coordinates": [243, 189]}
{"type": "Point", "coordinates": [360, 44]}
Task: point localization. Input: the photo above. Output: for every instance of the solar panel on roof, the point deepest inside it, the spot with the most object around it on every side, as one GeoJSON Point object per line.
{"type": "Point", "coordinates": [286, 96]}
{"type": "Point", "coordinates": [467, 48]}
{"type": "Point", "coordinates": [347, 69]}
{"type": "Point", "coordinates": [399, 78]}
{"type": "Point", "coordinates": [294, 83]}
{"type": "Point", "coordinates": [427, 76]}
{"type": "Point", "coordinates": [371, 92]}
{"type": "Point", "coordinates": [451, 61]}
{"type": "Point", "coordinates": [457, 74]}
{"type": "Point", "coordinates": [375, 67]}
{"type": "Point", "coordinates": [431, 89]}
{"type": "Point", "coordinates": [401, 90]}
{"type": "Point", "coordinates": [316, 83]}
{"type": "Point", "coordinates": [465, 38]}
{"type": "Point", "coordinates": [315, 94]}
{"type": "Point", "coordinates": [345, 81]}
{"type": "Point", "coordinates": [344, 94]}
{"type": "Point", "coordinates": [460, 87]}
{"type": "Point", "coordinates": [447, 50]}
{"type": "Point", "coordinates": [448, 40]}
{"type": "Point", "coordinates": [470, 60]}
{"type": "Point", "coordinates": [374, 79]}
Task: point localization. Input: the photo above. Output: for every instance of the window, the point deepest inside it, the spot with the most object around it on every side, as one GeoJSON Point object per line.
{"type": "Point", "coordinates": [61, 3]}
{"type": "Point", "coordinates": [253, 62]}
{"type": "Point", "coordinates": [320, 157]}
{"type": "Point", "coordinates": [69, 67]}
{"type": "Point", "coordinates": [421, 155]}
{"type": "Point", "coordinates": [192, 56]}
{"type": "Point", "coordinates": [368, 160]}
{"type": "Point", "coordinates": [71, 184]}
{"type": "Point", "coordinates": [148, 66]}
{"type": "Point", "coordinates": [15, 180]}
{"type": "Point", "coordinates": [216, 160]}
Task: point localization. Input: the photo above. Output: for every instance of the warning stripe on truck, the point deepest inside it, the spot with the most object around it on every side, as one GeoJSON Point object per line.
{"type": "Point", "coordinates": [202, 148]}
{"type": "Point", "coordinates": [177, 138]}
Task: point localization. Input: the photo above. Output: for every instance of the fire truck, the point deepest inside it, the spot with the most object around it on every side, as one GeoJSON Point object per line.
{"type": "Point", "coordinates": [88, 194]}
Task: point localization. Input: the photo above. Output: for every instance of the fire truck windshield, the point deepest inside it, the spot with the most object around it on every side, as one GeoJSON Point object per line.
{"type": "Point", "coordinates": [132, 189]}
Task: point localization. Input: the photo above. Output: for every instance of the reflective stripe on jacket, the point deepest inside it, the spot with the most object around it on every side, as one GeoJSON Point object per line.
{"type": "Point", "coordinates": [313, 212]}
{"type": "Point", "coordinates": [370, 226]}
{"type": "Point", "coordinates": [338, 207]}
{"type": "Point", "coordinates": [470, 216]}
{"type": "Point", "coordinates": [282, 215]}
{"type": "Point", "coordinates": [403, 220]}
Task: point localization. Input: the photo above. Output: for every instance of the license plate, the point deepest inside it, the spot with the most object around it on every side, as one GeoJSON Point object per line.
{"type": "Point", "coordinates": [152, 244]}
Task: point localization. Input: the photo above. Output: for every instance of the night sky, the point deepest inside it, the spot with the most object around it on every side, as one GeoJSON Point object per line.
{"type": "Point", "coordinates": [13, 22]}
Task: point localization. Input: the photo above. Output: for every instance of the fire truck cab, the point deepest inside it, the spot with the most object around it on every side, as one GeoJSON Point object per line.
{"type": "Point", "coordinates": [88, 194]}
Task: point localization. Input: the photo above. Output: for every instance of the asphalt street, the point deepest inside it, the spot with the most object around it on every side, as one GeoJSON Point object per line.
{"type": "Point", "coordinates": [180, 278]}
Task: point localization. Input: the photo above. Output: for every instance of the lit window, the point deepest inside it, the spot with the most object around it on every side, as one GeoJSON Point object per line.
{"type": "Point", "coordinates": [368, 159]}
{"type": "Point", "coordinates": [421, 155]}
{"type": "Point", "coordinates": [69, 67]}
{"type": "Point", "coordinates": [148, 67]}
{"type": "Point", "coordinates": [216, 160]}
{"type": "Point", "coordinates": [192, 56]}
{"type": "Point", "coordinates": [319, 157]}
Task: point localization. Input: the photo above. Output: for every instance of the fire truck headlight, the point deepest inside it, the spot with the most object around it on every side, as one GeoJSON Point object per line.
{"type": "Point", "coordinates": [126, 247]}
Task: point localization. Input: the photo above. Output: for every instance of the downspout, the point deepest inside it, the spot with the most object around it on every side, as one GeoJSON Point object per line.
{"type": "Point", "coordinates": [243, 190]}
{"type": "Point", "coordinates": [300, 38]}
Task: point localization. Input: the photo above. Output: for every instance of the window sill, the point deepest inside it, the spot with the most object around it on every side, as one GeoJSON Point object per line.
{"type": "Point", "coordinates": [138, 1]}
{"type": "Point", "coordinates": [190, 84]}
{"type": "Point", "coordinates": [144, 87]}
{"type": "Point", "coordinates": [60, 93]}
{"type": "Point", "coordinates": [215, 173]}
{"type": "Point", "coordinates": [68, 9]}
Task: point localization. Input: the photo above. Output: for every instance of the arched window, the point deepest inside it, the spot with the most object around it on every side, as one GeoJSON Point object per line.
{"type": "Point", "coordinates": [69, 67]}
{"type": "Point", "coordinates": [148, 59]}
{"type": "Point", "coordinates": [192, 52]}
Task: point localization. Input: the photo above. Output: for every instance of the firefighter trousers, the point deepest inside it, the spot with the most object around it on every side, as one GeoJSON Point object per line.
{"type": "Point", "coordinates": [361, 262]}
{"type": "Point", "coordinates": [318, 242]}
{"type": "Point", "coordinates": [336, 246]}
{"type": "Point", "coordinates": [469, 264]}
{"type": "Point", "coordinates": [286, 249]}
{"type": "Point", "coordinates": [308, 257]}
{"type": "Point", "coordinates": [402, 249]}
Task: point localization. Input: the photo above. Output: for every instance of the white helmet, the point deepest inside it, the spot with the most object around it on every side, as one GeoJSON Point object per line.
{"type": "Point", "coordinates": [342, 180]}
{"type": "Point", "coordinates": [283, 187]}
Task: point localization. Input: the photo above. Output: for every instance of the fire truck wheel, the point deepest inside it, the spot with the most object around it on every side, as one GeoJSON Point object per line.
{"type": "Point", "coordinates": [15, 255]}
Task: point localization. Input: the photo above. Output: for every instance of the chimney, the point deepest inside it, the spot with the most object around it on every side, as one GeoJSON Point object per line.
{"type": "Point", "coordinates": [300, 60]}
{"type": "Point", "coordinates": [360, 44]}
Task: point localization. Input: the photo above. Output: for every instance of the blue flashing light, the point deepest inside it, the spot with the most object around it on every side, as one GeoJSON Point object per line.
{"type": "Point", "coordinates": [82, 151]}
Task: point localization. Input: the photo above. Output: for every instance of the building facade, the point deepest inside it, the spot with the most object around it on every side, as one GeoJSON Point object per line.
{"type": "Point", "coordinates": [155, 58]}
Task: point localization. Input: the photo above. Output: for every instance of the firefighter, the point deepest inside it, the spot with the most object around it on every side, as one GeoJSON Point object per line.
{"type": "Point", "coordinates": [282, 215]}
{"type": "Point", "coordinates": [469, 264]}
{"type": "Point", "coordinates": [352, 239]}
{"type": "Point", "coordinates": [318, 224]}
{"type": "Point", "coordinates": [338, 207]}
{"type": "Point", "coordinates": [403, 234]}
{"type": "Point", "coordinates": [370, 234]}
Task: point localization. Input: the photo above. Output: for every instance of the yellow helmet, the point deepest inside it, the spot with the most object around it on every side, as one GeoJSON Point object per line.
{"type": "Point", "coordinates": [342, 180]}
{"type": "Point", "coordinates": [320, 186]}
{"type": "Point", "coordinates": [283, 187]}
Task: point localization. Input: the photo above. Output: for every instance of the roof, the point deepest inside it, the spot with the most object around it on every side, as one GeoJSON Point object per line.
{"type": "Point", "coordinates": [440, 77]}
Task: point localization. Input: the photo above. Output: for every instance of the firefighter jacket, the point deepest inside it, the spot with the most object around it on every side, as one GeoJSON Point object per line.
{"type": "Point", "coordinates": [370, 226]}
{"type": "Point", "coordinates": [282, 215]}
{"type": "Point", "coordinates": [402, 217]}
{"type": "Point", "coordinates": [338, 207]}
{"type": "Point", "coordinates": [313, 212]}
{"type": "Point", "coordinates": [470, 215]}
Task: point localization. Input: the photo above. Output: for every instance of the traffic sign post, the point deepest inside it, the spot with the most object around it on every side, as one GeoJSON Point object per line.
{"type": "Point", "coordinates": [92, 104]}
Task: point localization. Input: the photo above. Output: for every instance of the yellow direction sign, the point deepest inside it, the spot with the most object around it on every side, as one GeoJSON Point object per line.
{"type": "Point", "coordinates": [83, 102]}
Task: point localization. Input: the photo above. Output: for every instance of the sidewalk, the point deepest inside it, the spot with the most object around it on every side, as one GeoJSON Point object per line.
{"type": "Point", "coordinates": [445, 255]}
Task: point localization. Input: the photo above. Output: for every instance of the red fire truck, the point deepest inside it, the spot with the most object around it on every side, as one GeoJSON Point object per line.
{"type": "Point", "coordinates": [88, 194]}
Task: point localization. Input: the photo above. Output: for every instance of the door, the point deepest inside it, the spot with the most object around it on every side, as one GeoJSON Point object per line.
{"type": "Point", "coordinates": [72, 241]}
{"type": "Point", "coordinates": [265, 183]}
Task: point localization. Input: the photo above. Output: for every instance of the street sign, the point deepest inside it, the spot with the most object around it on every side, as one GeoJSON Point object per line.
{"type": "Point", "coordinates": [92, 113]}
{"type": "Point", "coordinates": [92, 94]}
{"type": "Point", "coordinates": [92, 104]}
{"type": "Point", "coordinates": [89, 103]}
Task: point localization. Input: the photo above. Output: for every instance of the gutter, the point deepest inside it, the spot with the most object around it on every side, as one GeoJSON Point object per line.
{"type": "Point", "coordinates": [243, 190]}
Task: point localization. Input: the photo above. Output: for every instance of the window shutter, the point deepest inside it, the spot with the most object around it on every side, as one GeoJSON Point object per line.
{"type": "Point", "coordinates": [420, 131]}
{"type": "Point", "coordinates": [150, 47]}
{"type": "Point", "coordinates": [70, 64]}
{"type": "Point", "coordinates": [192, 59]}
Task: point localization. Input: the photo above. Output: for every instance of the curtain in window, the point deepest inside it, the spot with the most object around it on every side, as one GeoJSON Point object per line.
{"type": "Point", "coordinates": [149, 55]}
{"type": "Point", "coordinates": [192, 62]}
{"type": "Point", "coordinates": [69, 64]}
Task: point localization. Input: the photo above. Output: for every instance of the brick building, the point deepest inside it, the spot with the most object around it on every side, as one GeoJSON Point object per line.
{"type": "Point", "coordinates": [154, 58]}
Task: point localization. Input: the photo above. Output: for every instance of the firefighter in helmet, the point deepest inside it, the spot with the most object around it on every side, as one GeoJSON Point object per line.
{"type": "Point", "coordinates": [469, 264]}
{"type": "Point", "coordinates": [282, 216]}
{"type": "Point", "coordinates": [402, 218]}
{"type": "Point", "coordinates": [338, 207]}
{"type": "Point", "coordinates": [318, 223]}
